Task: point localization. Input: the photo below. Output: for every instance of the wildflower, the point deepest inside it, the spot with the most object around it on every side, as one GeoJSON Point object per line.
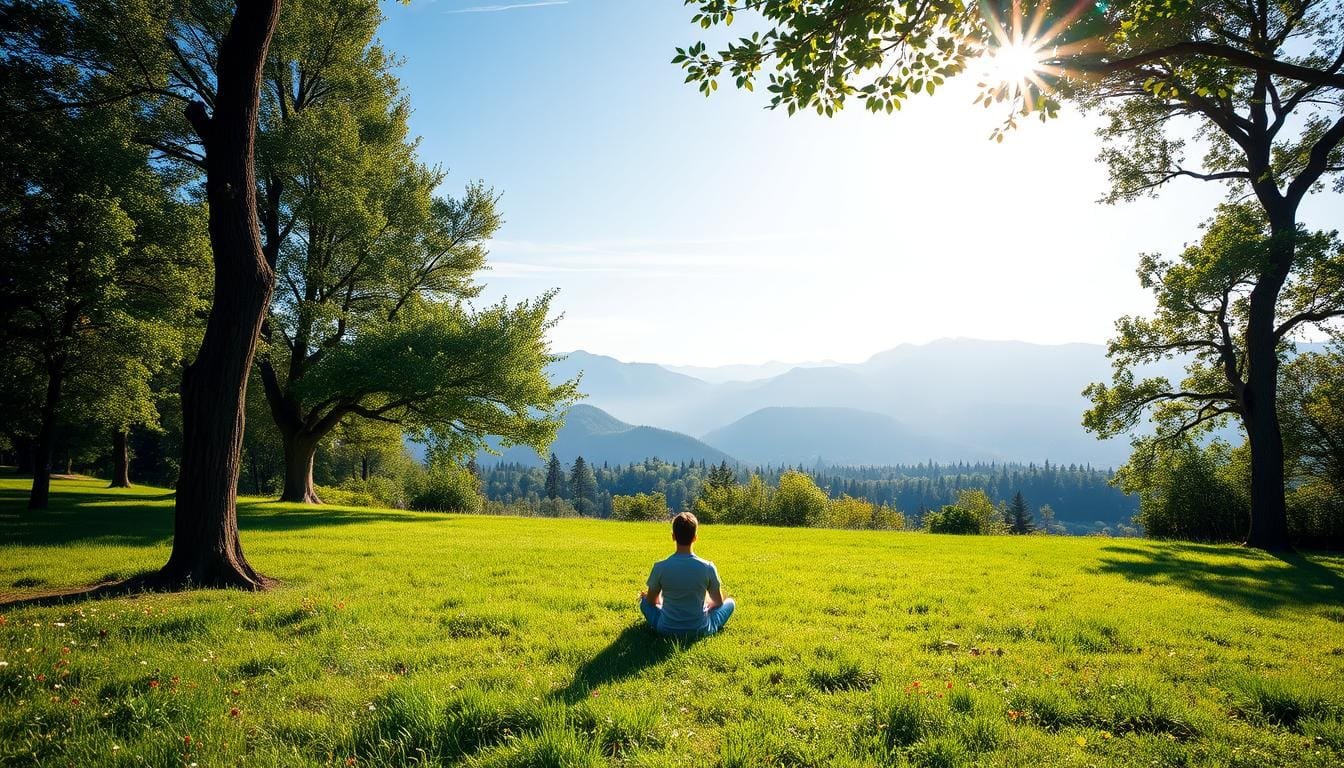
{"type": "Point", "coordinates": [1105, 734]}
{"type": "Point", "coordinates": [153, 683]}
{"type": "Point", "coordinates": [1014, 714]}
{"type": "Point", "coordinates": [2, 621]}
{"type": "Point", "coordinates": [41, 678]}
{"type": "Point", "coordinates": [4, 663]}
{"type": "Point", "coordinates": [65, 650]}
{"type": "Point", "coordinates": [350, 761]}
{"type": "Point", "coordinates": [74, 702]}
{"type": "Point", "coordinates": [1081, 741]}
{"type": "Point", "coordinates": [594, 694]}
{"type": "Point", "coordinates": [186, 740]}
{"type": "Point", "coordinates": [116, 747]}
{"type": "Point", "coordinates": [233, 712]}
{"type": "Point", "coordinates": [949, 684]}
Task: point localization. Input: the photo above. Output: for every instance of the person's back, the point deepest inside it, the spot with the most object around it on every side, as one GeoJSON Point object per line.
{"type": "Point", "coordinates": [675, 603]}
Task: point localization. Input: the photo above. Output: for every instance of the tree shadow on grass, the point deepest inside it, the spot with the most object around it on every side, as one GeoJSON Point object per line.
{"type": "Point", "coordinates": [133, 520]}
{"type": "Point", "coordinates": [136, 585]}
{"type": "Point", "coordinates": [1261, 581]}
{"type": "Point", "coordinates": [636, 649]}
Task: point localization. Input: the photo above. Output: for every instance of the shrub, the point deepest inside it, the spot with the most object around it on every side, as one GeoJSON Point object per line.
{"type": "Point", "coordinates": [749, 504]}
{"type": "Point", "coordinates": [378, 491]}
{"type": "Point", "coordinates": [1316, 516]}
{"type": "Point", "coordinates": [641, 506]}
{"type": "Point", "coordinates": [1191, 492]}
{"type": "Point", "coordinates": [557, 508]}
{"type": "Point", "coordinates": [973, 513]}
{"type": "Point", "coordinates": [797, 501]}
{"type": "Point", "coordinates": [849, 512]}
{"type": "Point", "coordinates": [446, 488]}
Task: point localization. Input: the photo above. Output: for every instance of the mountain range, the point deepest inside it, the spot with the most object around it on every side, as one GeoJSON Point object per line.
{"type": "Point", "coordinates": [946, 401]}
{"type": "Point", "coordinates": [953, 399]}
{"type": "Point", "coordinates": [598, 437]}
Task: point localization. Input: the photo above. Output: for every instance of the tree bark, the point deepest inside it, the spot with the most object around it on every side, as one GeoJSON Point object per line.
{"type": "Point", "coordinates": [39, 495]}
{"type": "Point", "coordinates": [121, 457]}
{"type": "Point", "coordinates": [300, 450]}
{"type": "Point", "coordinates": [206, 548]}
{"type": "Point", "coordinates": [364, 468]}
{"type": "Point", "coordinates": [1259, 401]}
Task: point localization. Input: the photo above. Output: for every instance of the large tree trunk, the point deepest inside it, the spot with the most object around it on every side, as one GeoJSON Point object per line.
{"type": "Point", "coordinates": [46, 434]}
{"type": "Point", "coordinates": [1259, 402]}
{"type": "Point", "coordinates": [121, 458]}
{"type": "Point", "coordinates": [299, 452]}
{"type": "Point", "coordinates": [206, 549]}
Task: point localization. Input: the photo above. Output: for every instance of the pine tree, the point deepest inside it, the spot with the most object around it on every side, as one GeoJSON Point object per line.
{"type": "Point", "coordinates": [555, 479]}
{"type": "Point", "coordinates": [721, 476]}
{"type": "Point", "coordinates": [1020, 521]}
{"type": "Point", "coordinates": [583, 487]}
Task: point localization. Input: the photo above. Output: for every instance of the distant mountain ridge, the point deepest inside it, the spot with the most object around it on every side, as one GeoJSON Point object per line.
{"type": "Point", "coordinates": [1012, 400]}
{"type": "Point", "coordinates": [843, 436]}
{"type": "Point", "coordinates": [598, 437]}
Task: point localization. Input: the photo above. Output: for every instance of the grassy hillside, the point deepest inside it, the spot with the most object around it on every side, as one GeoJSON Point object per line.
{"type": "Point", "coordinates": [401, 638]}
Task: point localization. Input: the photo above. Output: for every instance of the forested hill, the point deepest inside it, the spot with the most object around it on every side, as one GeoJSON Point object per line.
{"type": "Point", "coordinates": [599, 437]}
{"type": "Point", "coordinates": [1081, 498]}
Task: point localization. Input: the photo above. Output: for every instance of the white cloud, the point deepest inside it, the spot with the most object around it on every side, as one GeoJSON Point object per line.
{"type": "Point", "coordinates": [507, 6]}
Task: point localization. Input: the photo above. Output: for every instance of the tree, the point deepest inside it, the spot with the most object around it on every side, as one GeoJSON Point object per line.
{"type": "Point", "coordinates": [640, 506]}
{"type": "Point", "coordinates": [102, 268]}
{"type": "Point", "coordinates": [1204, 311]}
{"type": "Point", "coordinates": [797, 501]}
{"type": "Point", "coordinates": [371, 264]}
{"type": "Point", "coordinates": [1019, 517]}
{"type": "Point", "coordinates": [721, 476]}
{"type": "Point", "coordinates": [583, 487]}
{"type": "Point", "coordinates": [1312, 413]}
{"type": "Point", "coordinates": [1187, 492]}
{"type": "Point", "coordinates": [973, 513]}
{"type": "Point", "coordinates": [1046, 514]}
{"type": "Point", "coordinates": [1259, 84]}
{"type": "Point", "coordinates": [555, 479]}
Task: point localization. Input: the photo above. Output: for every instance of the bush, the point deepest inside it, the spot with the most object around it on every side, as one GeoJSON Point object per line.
{"type": "Point", "coordinates": [1316, 516]}
{"type": "Point", "coordinates": [952, 519]}
{"type": "Point", "coordinates": [797, 501]}
{"type": "Point", "coordinates": [382, 491]}
{"type": "Point", "coordinates": [740, 504]}
{"type": "Point", "coordinates": [641, 506]}
{"type": "Point", "coordinates": [849, 512]}
{"type": "Point", "coordinates": [446, 488]}
{"type": "Point", "coordinates": [973, 513]}
{"type": "Point", "coordinates": [1191, 493]}
{"type": "Point", "coordinates": [557, 508]}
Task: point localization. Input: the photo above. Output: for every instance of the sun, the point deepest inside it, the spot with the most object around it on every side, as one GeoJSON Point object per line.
{"type": "Point", "coordinates": [1014, 65]}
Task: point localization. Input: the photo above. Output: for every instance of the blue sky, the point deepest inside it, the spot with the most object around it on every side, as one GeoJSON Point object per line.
{"type": "Point", "coordinates": [687, 230]}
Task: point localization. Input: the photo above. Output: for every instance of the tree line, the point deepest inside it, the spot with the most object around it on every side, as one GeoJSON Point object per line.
{"type": "Point", "coordinates": [1073, 499]}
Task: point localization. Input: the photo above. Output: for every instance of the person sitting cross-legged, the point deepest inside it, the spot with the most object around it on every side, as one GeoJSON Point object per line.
{"type": "Point", "coordinates": [685, 598]}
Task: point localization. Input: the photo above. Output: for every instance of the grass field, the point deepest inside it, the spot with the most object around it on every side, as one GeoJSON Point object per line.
{"type": "Point", "coordinates": [417, 639]}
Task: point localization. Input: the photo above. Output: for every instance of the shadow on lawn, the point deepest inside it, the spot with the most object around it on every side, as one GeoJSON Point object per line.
{"type": "Point", "coordinates": [1251, 578]}
{"type": "Point", "coordinates": [637, 648]}
{"type": "Point", "coordinates": [122, 519]}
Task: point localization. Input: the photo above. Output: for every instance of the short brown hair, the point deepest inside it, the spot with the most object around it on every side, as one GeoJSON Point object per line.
{"type": "Point", "coordinates": [683, 528]}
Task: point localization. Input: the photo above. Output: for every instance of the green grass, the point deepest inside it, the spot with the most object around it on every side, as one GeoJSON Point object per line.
{"type": "Point", "coordinates": [417, 639]}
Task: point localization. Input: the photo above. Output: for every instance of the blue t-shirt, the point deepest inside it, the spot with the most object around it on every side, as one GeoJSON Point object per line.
{"type": "Point", "coordinates": [684, 580]}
